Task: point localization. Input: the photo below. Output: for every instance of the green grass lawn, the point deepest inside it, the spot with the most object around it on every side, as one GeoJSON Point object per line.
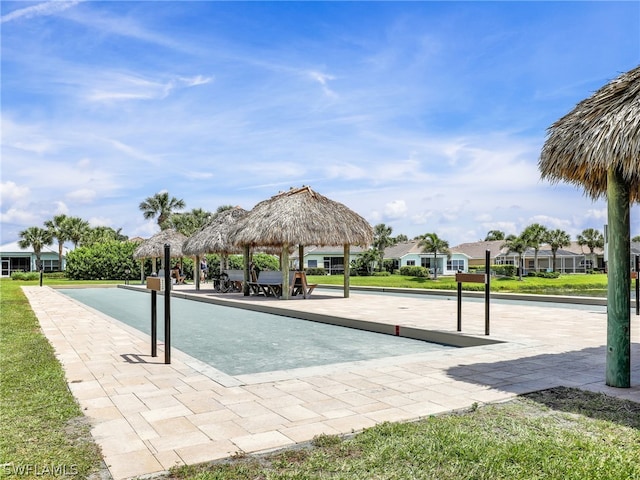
{"type": "Point", "coordinates": [555, 434]}
{"type": "Point", "coordinates": [564, 284]}
{"type": "Point", "coordinates": [41, 425]}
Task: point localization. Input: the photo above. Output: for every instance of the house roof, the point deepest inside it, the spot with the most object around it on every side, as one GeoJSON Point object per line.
{"type": "Point", "coordinates": [478, 249]}
{"type": "Point", "coordinates": [13, 247]}
{"type": "Point", "coordinates": [402, 249]}
{"type": "Point", "coordinates": [575, 247]}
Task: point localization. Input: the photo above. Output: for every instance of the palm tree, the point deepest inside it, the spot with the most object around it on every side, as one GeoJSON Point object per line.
{"type": "Point", "coordinates": [431, 243]}
{"type": "Point", "coordinates": [190, 222]}
{"type": "Point", "coordinates": [76, 228]}
{"type": "Point", "coordinates": [517, 245]}
{"type": "Point", "coordinates": [494, 235]}
{"type": "Point", "coordinates": [36, 238]}
{"type": "Point", "coordinates": [161, 205]}
{"type": "Point", "coordinates": [381, 240]}
{"type": "Point", "coordinates": [535, 235]}
{"type": "Point", "coordinates": [59, 232]}
{"type": "Point", "coordinates": [593, 239]}
{"type": "Point", "coordinates": [400, 238]}
{"type": "Point", "coordinates": [101, 235]}
{"type": "Point", "coordinates": [557, 239]}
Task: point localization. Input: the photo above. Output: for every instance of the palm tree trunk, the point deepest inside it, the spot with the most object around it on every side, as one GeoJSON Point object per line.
{"type": "Point", "coordinates": [435, 265]}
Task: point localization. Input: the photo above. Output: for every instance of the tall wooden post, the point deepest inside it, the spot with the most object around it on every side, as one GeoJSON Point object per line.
{"type": "Point", "coordinates": [286, 294]}
{"type": "Point", "coordinates": [197, 272]}
{"type": "Point", "coordinates": [618, 370]}
{"type": "Point", "coordinates": [347, 271]}
{"type": "Point", "coordinates": [246, 253]}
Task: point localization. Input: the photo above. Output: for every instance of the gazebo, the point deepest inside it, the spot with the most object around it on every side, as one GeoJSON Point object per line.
{"type": "Point", "coordinates": [302, 217]}
{"type": "Point", "coordinates": [597, 146]}
{"type": "Point", "coordinates": [154, 247]}
{"type": "Point", "coordinates": [214, 238]}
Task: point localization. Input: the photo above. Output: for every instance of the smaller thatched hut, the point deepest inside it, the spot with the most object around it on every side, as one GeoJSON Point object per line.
{"type": "Point", "coordinates": [214, 238]}
{"type": "Point", "coordinates": [302, 217]}
{"type": "Point", "coordinates": [154, 246]}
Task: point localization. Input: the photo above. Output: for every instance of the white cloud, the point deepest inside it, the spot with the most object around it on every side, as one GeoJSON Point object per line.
{"type": "Point", "coordinates": [19, 216]}
{"type": "Point", "coordinates": [195, 81]}
{"type": "Point", "coordinates": [61, 208]}
{"type": "Point", "coordinates": [597, 214]}
{"type": "Point", "coordinates": [118, 86]}
{"type": "Point", "coordinates": [83, 195]}
{"type": "Point", "coordinates": [395, 209]}
{"type": "Point", "coordinates": [100, 222]}
{"type": "Point", "coordinates": [11, 192]}
{"type": "Point", "coordinates": [550, 222]}
{"type": "Point", "coordinates": [323, 79]}
{"type": "Point", "coordinates": [45, 8]}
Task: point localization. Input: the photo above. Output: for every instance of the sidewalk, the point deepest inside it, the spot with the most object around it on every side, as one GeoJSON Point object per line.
{"type": "Point", "coordinates": [148, 416]}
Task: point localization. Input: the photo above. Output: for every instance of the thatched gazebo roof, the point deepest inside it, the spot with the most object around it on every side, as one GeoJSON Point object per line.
{"type": "Point", "coordinates": [597, 146]}
{"type": "Point", "coordinates": [302, 217]}
{"type": "Point", "coordinates": [602, 131]}
{"type": "Point", "coordinates": [154, 246]}
{"type": "Point", "coordinates": [215, 236]}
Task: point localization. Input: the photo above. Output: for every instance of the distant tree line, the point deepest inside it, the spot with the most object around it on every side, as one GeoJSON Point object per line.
{"type": "Point", "coordinates": [163, 207]}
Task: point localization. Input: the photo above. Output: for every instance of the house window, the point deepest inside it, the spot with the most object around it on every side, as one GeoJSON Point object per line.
{"type": "Point", "coordinates": [312, 263]}
{"type": "Point", "coordinates": [411, 263]}
{"type": "Point", "coordinates": [425, 262]}
{"type": "Point", "coordinates": [456, 265]}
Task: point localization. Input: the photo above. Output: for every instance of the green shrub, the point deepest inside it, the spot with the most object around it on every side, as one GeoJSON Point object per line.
{"type": "Point", "coordinates": [504, 270]}
{"type": "Point", "coordinates": [414, 271]}
{"type": "Point", "coordinates": [316, 271]}
{"type": "Point", "coordinates": [25, 276]}
{"type": "Point", "coordinates": [381, 274]}
{"type": "Point", "coordinates": [102, 261]}
{"type": "Point", "coordinates": [55, 275]}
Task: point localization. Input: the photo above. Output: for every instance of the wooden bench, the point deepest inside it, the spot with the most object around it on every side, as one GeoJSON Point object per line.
{"type": "Point", "coordinates": [269, 284]}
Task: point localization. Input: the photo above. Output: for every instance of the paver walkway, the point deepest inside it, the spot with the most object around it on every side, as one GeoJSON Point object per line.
{"type": "Point", "coordinates": [148, 416]}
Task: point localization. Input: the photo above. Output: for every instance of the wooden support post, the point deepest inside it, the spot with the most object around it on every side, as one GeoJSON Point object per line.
{"type": "Point", "coordinates": [301, 258]}
{"type": "Point", "coordinates": [247, 274]}
{"type": "Point", "coordinates": [197, 270]}
{"type": "Point", "coordinates": [286, 294]}
{"type": "Point", "coordinates": [618, 369]}
{"type": "Point", "coordinates": [347, 272]}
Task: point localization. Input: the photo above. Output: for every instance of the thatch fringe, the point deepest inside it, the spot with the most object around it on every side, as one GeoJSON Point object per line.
{"type": "Point", "coordinates": [154, 246]}
{"type": "Point", "coordinates": [215, 236]}
{"type": "Point", "coordinates": [602, 131]}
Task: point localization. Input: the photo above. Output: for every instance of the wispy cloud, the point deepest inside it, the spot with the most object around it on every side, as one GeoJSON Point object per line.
{"type": "Point", "coordinates": [41, 9]}
{"type": "Point", "coordinates": [323, 79]}
{"type": "Point", "coordinates": [116, 87]}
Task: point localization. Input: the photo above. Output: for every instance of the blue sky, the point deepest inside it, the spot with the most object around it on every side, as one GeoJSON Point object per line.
{"type": "Point", "coordinates": [425, 116]}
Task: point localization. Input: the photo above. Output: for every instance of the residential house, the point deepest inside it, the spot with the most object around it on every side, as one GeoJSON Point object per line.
{"type": "Point", "coordinates": [572, 259]}
{"type": "Point", "coordinates": [16, 259]}
{"type": "Point", "coordinates": [330, 258]}
{"type": "Point", "coordinates": [411, 254]}
{"type": "Point", "coordinates": [476, 252]}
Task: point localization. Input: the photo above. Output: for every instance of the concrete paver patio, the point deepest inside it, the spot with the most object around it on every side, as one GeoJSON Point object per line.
{"type": "Point", "coordinates": [148, 416]}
